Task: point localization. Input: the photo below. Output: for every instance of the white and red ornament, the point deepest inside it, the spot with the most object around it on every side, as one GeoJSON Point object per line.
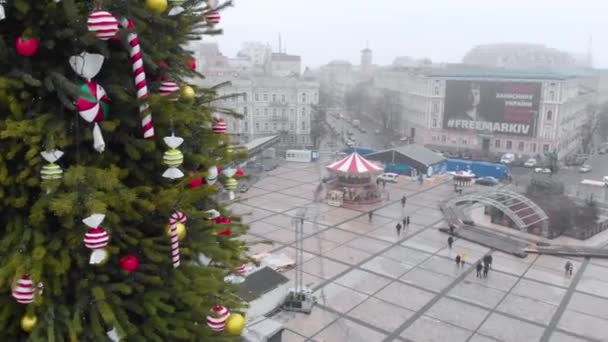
{"type": "Point", "coordinates": [167, 88]}
{"type": "Point", "coordinates": [139, 77]}
{"type": "Point", "coordinates": [217, 318]}
{"type": "Point", "coordinates": [96, 239]}
{"type": "Point", "coordinates": [173, 157]}
{"type": "Point", "coordinates": [24, 291]}
{"type": "Point", "coordinates": [241, 269]}
{"type": "Point", "coordinates": [27, 47]}
{"type": "Point", "coordinates": [103, 24]}
{"type": "Point", "coordinates": [176, 217]}
{"type": "Point", "coordinates": [219, 126]}
{"type": "Point", "coordinates": [213, 17]}
{"type": "Point", "coordinates": [212, 174]}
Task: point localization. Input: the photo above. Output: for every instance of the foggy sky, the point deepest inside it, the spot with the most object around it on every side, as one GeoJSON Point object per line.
{"type": "Point", "coordinates": [443, 30]}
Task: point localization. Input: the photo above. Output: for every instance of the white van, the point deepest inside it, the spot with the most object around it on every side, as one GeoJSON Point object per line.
{"type": "Point", "coordinates": [303, 156]}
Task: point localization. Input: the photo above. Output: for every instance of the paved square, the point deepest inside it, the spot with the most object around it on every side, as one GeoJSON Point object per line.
{"type": "Point", "coordinates": [374, 285]}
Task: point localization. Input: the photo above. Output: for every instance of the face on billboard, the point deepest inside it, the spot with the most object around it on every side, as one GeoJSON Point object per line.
{"type": "Point", "coordinates": [493, 107]}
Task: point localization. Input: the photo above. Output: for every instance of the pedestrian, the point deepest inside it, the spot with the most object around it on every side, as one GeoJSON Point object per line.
{"type": "Point", "coordinates": [404, 222]}
{"type": "Point", "coordinates": [403, 200]}
{"type": "Point", "coordinates": [450, 241]}
{"type": "Point", "coordinates": [383, 184]}
{"type": "Point", "coordinates": [462, 259]}
{"type": "Point", "coordinates": [568, 268]}
{"type": "Point", "coordinates": [398, 227]}
{"type": "Point", "coordinates": [485, 270]}
{"type": "Point", "coordinates": [487, 260]}
{"type": "Point", "coordinates": [452, 229]}
{"type": "Point", "coordinates": [457, 259]}
{"type": "Point", "coordinates": [370, 214]}
{"type": "Point", "coordinates": [407, 220]}
{"type": "Point", "coordinates": [479, 268]}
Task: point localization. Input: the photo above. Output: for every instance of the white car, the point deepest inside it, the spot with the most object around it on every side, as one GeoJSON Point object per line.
{"type": "Point", "coordinates": [507, 158]}
{"type": "Point", "coordinates": [542, 170]}
{"type": "Point", "coordinates": [584, 168]}
{"type": "Point", "coordinates": [530, 162]}
{"type": "Point", "coordinates": [389, 177]}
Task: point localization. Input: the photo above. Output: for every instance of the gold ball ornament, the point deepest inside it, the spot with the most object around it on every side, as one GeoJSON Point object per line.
{"type": "Point", "coordinates": [181, 231]}
{"type": "Point", "coordinates": [158, 6]}
{"type": "Point", "coordinates": [187, 92]}
{"type": "Point", "coordinates": [235, 324]}
{"type": "Point", "coordinates": [28, 322]}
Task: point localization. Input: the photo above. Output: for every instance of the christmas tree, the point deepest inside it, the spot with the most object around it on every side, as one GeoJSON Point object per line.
{"type": "Point", "coordinates": [107, 158]}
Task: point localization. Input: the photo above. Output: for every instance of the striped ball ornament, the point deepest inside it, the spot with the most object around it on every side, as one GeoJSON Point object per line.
{"type": "Point", "coordinates": [173, 157]}
{"type": "Point", "coordinates": [103, 24]}
{"type": "Point", "coordinates": [213, 17]}
{"type": "Point", "coordinates": [96, 238]}
{"type": "Point", "coordinates": [219, 126]}
{"type": "Point", "coordinates": [23, 292]}
{"type": "Point", "coordinates": [93, 104]}
{"type": "Point", "coordinates": [51, 171]}
{"type": "Point", "coordinates": [217, 318]}
{"type": "Point", "coordinates": [168, 88]}
{"type": "Point", "coordinates": [231, 184]}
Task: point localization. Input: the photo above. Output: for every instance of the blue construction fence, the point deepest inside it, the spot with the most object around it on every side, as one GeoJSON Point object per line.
{"type": "Point", "coordinates": [479, 168]}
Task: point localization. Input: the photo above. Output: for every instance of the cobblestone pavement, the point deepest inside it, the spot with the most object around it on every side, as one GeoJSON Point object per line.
{"type": "Point", "coordinates": [373, 285]}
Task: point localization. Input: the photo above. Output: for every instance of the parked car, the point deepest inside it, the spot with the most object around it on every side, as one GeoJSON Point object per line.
{"type": "Point", "coordinates": [542, 170]}
{"type": "Point", "coordinates": [507, 158]}
{"type": "Point", "coordinates": [584, 168]}
{"type": "Point", "coordinates": [487, 181]}
{"type": "Point", "coordinates": [363, 130]}
{"type": "Point", "coordinates": [350, 143]}
{"type": "Point", "coordinates": [389, 177]}
{"type": "Point", "coordinates": [530, 162]}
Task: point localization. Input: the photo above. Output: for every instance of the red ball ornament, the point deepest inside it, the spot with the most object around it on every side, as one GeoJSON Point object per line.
{"type": "Point", "coordinates": [191, 63]}
{"type": "Point", "coordinates": [240, 172]}
{"type": "Point", "coordinates": [103, 24]}
{"type": "Point", "coordinates": [219, 126]}
{"type": "Point", "coordinates": [197, 182]}
{"type": "Point", "coordinates": [27, 47]}
{"type": "Point", "coordinates": [129, 263]}
{"type": "Point", "coordinates": [23, 292]}
{"type": "Point", "coordinates": [213, 17]}
{"type": "Point", "coordinates": [225, 232]}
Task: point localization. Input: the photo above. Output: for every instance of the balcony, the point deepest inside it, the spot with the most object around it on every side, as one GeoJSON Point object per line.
{"type": "Point", "coordinates": [278, 104]}
{"type": "Point", "coordinates": [278, 118]}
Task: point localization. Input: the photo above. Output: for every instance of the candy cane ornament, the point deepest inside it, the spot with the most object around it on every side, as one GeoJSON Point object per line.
{"type": "Point", "coordinates": [139, 76]}
{"type": "Point", "coordinates": [176, 217]}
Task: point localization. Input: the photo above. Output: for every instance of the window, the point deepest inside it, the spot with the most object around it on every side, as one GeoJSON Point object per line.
{"type": "Point", "coordinates": [316, 96]}
{"type": "Point", "coordinates": [292, 112]}
{"type": "Point", "coordinates": [549, 115]}
{"type": "Point", "coordinates": [533, 147]}
{"type": "Point", "coordinates": [436, 91]}
{"type": "Point", "coordinates": [265, 111]}
{"type": "Point", "coordinates": [552, 95]}
{"type": "Point", "coordinates": [497, 143]}
{"type": "Point", "coordinates": [257, 126]}
{"type": "Point", "coordinates": [283, 98]}
{"type": "Point", "coordinates": [244, 110]}
{"type": "Point", "coordinates": [464, 141]}
{"type": "Point", "coordinates": [244, 97]}
{"type": "Point", "coordinates": [256, 96]}
{"type": "Point", "coordinates": [546, 148]}
{"type": "Point", "coordinates": [274, 112]}
{"type": "Point", "coordinates": [520, 146]}
{"type": "Point", "coordinates": [435, 107]}
{"type": "Point", "coordinates": [303, 111]}
{"type": "Point", "coordinates": [265, 97]}
{"type": "Point", "coordinates": [274, 97]}
{"type": "Point", "coordinates": [434, 122]}
{"type": "Point", "coordinates": [303, 97]}
{"type": "Point", "coordinates": [257, 111]}
{"type": "Point", "coordinates": [266, 126]}
{"type": "Point", "coordinates": [443, 138]}
{"type": "Point", "coordinates": [246, 127]}
{"type": "Point", "coordinates": [292, 126]}
{"type": "Point", "coordinates": [509, 144]}
{"type": "Point", "coordinates": [284, 111]}
{"type": "Point", "coordinates": [274, 126]}
{"type": "Point", "coordinates": [303, 125]}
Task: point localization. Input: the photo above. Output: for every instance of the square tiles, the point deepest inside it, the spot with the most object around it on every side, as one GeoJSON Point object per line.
{"type": "Point", "coordinates": [310, 281]}
{"type": "Point", "coordinates": [316, 245]}
{"type": "Point", "coordinates": [347, 330]}
{"type": "Point", "coordinates": [347, 255]}
{"type": "Point", "coordinates": [363, 281]}
{"type": "Point", "coordinates": [476, 293]}
{"type": "Point", "coordinates": [593, 285]}
{"type": "Point", "coordinates": [381, 314]}
{"type": "Point", "coordinates": [584, 325]}
{"type": "Point", "coordinates": [428, 329]}
{"type": "Point", "coordinates": [367, 244]}
{"type": "Point", "coordinates": [496, 280]}
{"type": "Point", "coordinates": [404, 295]}
{"type": "Point", "coordinates": [542, 292]}
{"type": "Point", "coordinates": [443, 266]}
{"type": "Point", "coordinates": [308, 325]}
{"type": "Point", "coordinates": [338, 235]}
{"type": "Point", "coordinates": [548, 275]}
{"type": "Point", "coordinates": [590, 305]}
{"type": "Point", "coordinates": [290, 336]}
{"type": "Point", "coordinates": [424, 244]}
{"type": "Point", "coordinates": [508, 329]}
{"type": "Point", "coordinates": [527, 308]}
{"type": "Point", "coordinates": [406, 255]}
{"type": "Point", "coordinates": [557, 336]}
{"type": "Point", "coordinates": [324, 268]}
{"type": "Point", "coordinates": [387, 267]}
{"type": "Point", "coordinates": [458, 313]}
{"type": "Point", "coordinates": [427, 279]}
{"type": "Point", "coordinates": [339, 298]}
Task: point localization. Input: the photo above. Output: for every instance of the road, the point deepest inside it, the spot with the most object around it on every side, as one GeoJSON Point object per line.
{"type": "Point", "coordinates": [369, 139]}
{"type": "Point", "coordinates": [572, 178]}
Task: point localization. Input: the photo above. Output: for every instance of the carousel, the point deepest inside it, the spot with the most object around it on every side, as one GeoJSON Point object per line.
{"type": "Point", "coordinates": [354, 181]}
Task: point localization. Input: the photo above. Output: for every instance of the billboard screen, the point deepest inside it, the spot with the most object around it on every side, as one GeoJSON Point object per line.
{"type": "Point", "coordinates": [491, 106]}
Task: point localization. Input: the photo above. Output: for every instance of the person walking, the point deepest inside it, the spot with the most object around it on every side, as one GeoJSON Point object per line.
{"type": "Point", "coordinates": [479, 268]}
{"type": "Point", "coordinates": [403, 200]}
{"type": "Point", "coordinates": [407, 220]}
{"type": "Point", "coordinates": [486, 268]}
{"type": "Point", "coordinates": [487, 260]}
{"type": "Point", "coordinates": [462, 260]}
{"type": "Point", "coordinates": [370, 214]}
{"type": "Point", "coordinates": [450, 241]}
{"type": "Point", "coordinates": [568, 268]}
{"type": "Point", "coordinates": [404, 222]}
{"type": "Point", "coordinates": [452, 227]}
{"type": "Point", "coordinates": [398, 227]}
{"type": "Point", "coordinates": [457, 260]}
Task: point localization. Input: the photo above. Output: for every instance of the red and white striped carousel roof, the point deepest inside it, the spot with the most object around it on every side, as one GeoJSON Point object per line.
{"type": "Point", "coordinates": [354, 164]}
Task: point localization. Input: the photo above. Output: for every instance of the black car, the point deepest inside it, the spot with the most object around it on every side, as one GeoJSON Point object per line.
{"type": "Point", "coordinates": [487, 181]}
